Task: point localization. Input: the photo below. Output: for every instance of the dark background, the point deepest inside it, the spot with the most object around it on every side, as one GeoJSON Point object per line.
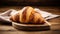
{"type": "Point", "coordinates": [30, 2]}
{"type": "Point", "coordinates": [51, 6]}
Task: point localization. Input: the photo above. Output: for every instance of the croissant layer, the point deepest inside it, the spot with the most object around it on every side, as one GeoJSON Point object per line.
{"type": "Point", "coordinates": [28, 15]}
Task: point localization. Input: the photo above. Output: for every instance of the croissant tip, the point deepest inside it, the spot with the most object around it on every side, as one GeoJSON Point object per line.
{"type": "Point", "coordinates": [29, 6]}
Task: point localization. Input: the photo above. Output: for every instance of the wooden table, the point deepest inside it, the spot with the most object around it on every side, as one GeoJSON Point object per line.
{"type": "Point", "coordinates": [55, 22]}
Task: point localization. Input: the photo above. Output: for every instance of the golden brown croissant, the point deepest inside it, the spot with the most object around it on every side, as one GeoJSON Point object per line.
{"type": "Point", "coordinates": [28, 15]}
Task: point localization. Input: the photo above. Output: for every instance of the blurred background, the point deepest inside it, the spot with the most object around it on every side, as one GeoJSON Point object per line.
{"type": "Point", "coordinates": [30, 2]}
{"type": "Point", "coordinates": [51, 6]}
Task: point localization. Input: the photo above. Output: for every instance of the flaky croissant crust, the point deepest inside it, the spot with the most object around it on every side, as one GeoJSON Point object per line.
{"type": "Point", "coordinates": [28, 15]}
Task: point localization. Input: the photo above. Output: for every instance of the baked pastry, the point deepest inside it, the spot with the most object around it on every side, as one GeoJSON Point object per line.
{"type": "Point", "coordinates": [28, 15]}
{"type": "Point", "coordinates": [14, 17]}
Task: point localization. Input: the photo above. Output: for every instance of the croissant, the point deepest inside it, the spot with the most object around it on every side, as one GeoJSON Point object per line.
{"type": "Point", "coordinates": [28, 15]}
